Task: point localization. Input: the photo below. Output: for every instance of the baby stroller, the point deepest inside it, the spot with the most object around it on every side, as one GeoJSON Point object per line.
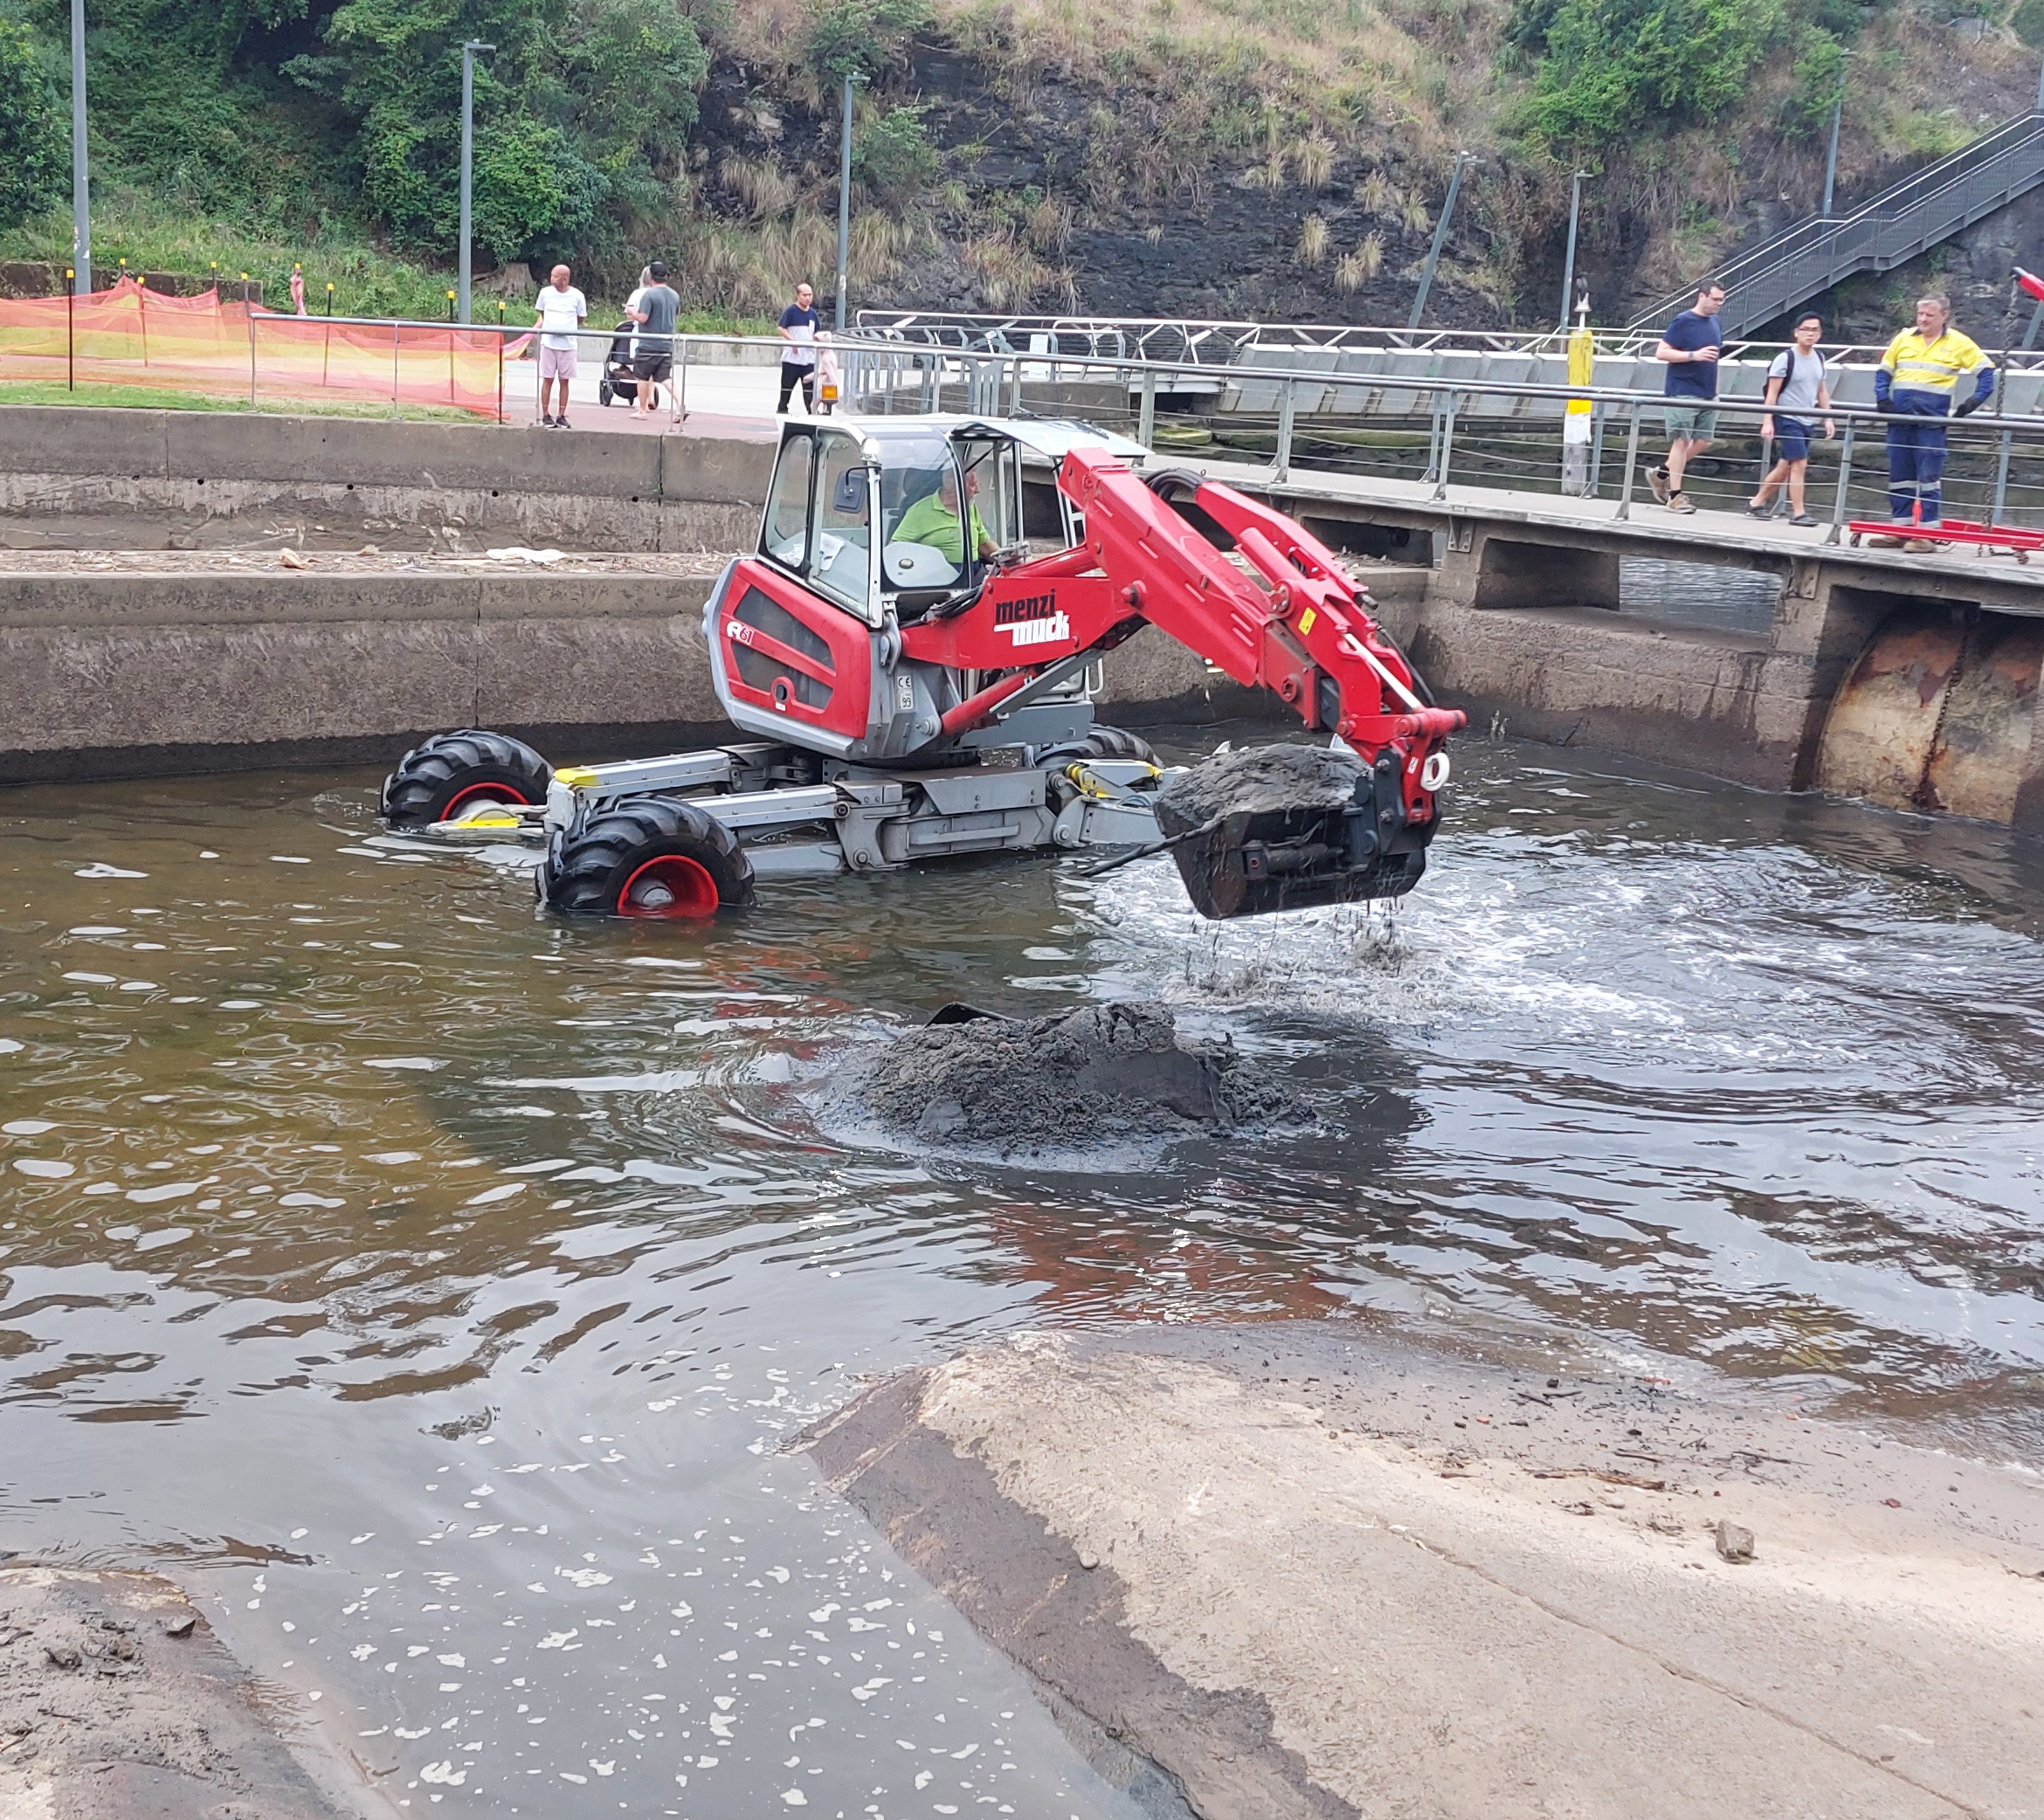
{"type": "Point", "coordinates": [618, 381]}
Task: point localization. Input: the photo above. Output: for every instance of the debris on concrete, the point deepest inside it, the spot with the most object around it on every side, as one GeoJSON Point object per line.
{"type": "Point", "coordinates": [1117, 1070]}
{"type": "Point", "coordinates": [1297, 1611]}
{"type": "Point", "coordinates": [1735, 1541]}
{"type": "Point", "coordinates": [116, 1701]}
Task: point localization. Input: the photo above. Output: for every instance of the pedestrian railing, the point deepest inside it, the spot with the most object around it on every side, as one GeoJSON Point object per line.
{"type": "Point", "coordinates": [1496, 432]}
{"type": "Point", "coordinates": [1902, 221]}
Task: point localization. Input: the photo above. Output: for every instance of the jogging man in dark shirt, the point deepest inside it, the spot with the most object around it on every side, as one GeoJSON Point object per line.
{"type": "Point", "coordinates": [797, 328]}
{"type": "Point", "coordinates": [1690, 346]}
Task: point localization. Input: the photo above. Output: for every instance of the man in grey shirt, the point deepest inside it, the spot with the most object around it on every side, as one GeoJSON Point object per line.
{"type": "Point", "coordinates": [652, 361]}
{"type": "Point", "coordinates": [1797, 381]}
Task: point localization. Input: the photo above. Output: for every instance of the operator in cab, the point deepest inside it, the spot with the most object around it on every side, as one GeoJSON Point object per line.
{"type": "Point", "coordinates": [933, 520]}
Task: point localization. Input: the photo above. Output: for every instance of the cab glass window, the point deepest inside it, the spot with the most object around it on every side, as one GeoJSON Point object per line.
{"type": "Point", "coordinates": [841, 555]}
{"type": "Point", "coordinates": [786, 534]}
{"type": "Point", "coordinates": [920, 545]}
{"type": "Point", "coordinates": [993, 491]}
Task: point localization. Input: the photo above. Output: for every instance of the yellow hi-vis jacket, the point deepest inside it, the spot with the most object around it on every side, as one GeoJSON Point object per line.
{"type": "Point", "coordinates": [1918, 364]}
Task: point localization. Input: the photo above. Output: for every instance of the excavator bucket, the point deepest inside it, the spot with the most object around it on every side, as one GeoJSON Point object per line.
{"type": "Point", "coordinates": [1287, 827]}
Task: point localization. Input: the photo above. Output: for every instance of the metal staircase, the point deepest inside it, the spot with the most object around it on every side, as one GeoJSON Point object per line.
{"type": "Point", "coordinates": [1903, 220]}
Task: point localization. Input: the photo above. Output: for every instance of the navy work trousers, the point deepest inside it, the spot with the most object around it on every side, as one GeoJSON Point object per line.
{"type": "Point", "coordinates": [1916, 457]}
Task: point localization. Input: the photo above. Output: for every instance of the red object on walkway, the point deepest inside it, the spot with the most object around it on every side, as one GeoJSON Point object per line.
{"type": "Point", "coordinates": [2016, 540]}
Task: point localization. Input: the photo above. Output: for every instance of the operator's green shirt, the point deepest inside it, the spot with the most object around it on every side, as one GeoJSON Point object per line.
{"type": "Point", "coordinates": [929, 520]}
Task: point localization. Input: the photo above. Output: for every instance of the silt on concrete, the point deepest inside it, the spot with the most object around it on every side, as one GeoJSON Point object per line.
{"type": "Point", "coordinates": [1478, 1582]}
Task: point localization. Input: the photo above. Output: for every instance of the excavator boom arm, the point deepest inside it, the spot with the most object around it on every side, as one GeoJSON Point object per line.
{"type": "Point", "coordinates": [1296, 625]}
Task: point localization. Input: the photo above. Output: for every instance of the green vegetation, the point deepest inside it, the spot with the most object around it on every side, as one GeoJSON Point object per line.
{"type": "Point", "coordinates": [33, 144]}
{"type": "Point", "coordinates": [144, 397]}
{"type": "Point", "coordinates": [252, 135]}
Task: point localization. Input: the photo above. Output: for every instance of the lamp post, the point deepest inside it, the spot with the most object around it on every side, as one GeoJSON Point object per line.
{"type": "Point", "coordinates": [1569, 264]}
{"type": "Point", "coordinates": [845, 196]}
{"type": "Point", "coordinates": [1831, 159]}
{"type": "Point", "coordinates": [1441, 229]}
{"type": "Point", "coordinates": [468, 53]}
{"type": "Point", "coordinates": [81, 213]}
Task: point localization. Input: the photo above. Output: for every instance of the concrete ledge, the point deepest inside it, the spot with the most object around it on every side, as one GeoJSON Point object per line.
{"type": "Point", "coordinates": [1305, 1569]}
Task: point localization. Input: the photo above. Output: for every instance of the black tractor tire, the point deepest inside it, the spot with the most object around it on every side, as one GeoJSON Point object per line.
{"type": "Point", "coordinates": [1107, 743]}
{"type": "Point", "coordinates": [433, 779]}
{"type": "Point", "coordinates": [610, 866]}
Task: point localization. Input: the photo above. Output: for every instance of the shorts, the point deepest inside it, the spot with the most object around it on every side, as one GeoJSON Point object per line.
{"type": "Point", "coordinates": [1792, 439]}
{"type": "Point", "coordinates": [1690, 422]}
{"type": "Point", "coordinates": [556, 362]}
{"type": "Point", "coordinates": [652, 368]}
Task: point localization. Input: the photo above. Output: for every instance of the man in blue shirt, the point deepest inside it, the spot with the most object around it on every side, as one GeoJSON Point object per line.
{"type": "Point", "coordinates": [1690, 346]}
{"type": "Point", "coordinates": [797, 328]}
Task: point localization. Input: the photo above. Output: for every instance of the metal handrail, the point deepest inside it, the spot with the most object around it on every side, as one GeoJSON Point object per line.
{"type": "Point", "coordinates": [1893, 225]}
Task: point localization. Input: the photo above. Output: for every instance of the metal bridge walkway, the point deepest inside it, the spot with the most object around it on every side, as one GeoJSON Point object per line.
{"type": "Point", "coordinates": [1902, 221]}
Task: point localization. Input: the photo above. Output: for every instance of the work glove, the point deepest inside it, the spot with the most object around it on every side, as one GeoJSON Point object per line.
{"type": "Point", "coordinates": [1971, 405]}
{"type": "Point", "coordinates": [1885, 406]}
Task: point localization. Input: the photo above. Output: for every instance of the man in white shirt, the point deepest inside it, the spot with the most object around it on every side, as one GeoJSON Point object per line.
{"type": "Point", "coordinates": [562, 311]}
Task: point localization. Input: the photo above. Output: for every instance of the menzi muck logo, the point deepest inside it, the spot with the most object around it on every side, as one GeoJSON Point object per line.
{"type": "Point", "coordinates": [1032, 620]}
{"type": "Point", "coordinates": [1054, 630]}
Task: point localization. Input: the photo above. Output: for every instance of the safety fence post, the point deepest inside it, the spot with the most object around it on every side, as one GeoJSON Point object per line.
{"type": "Point", "coordinates": [1146, 426]}
{"type": "Point", "coordinates": [393, 366]}
{"type": "Point", "coordinates": [1447, 446]}
{"type": "Point", "coordinates": [252, 347]}
{"type": "Point", "coordinates": [1015, 392]}
{"type": "Point", "coordinates": [1596, 448]}
{"type": "Point", "coordinates": [1288, 408]}
{"type": "Point", "coordinates": [2000, 478]}
{"type": "Point", "coordinates": [500, 374]}
{"type": "Point", "coordinates": [1845, 480]}
{"type": "Point", "coordinates": [71, 330]}
{"type": "Point", "coordinates": [681, 382]}
{"type": "Point", "coordinates": [1625, 510]}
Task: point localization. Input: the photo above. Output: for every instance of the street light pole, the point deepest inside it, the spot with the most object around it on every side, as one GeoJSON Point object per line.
{"type": "Point", "coordinates": [468, 53]}
{"type": "Point", "coordinates": [1447, 209]}
{"type": "Point", "coordinates": [844, 198]}
{"type": "Point", "coordinates": [82, 210]}
{"type": "Point", "coordinates": [1830, 162]}
{"type": "Point", "coordinates": [1569, 265]}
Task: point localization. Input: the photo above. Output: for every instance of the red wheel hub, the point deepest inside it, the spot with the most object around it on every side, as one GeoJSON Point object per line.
{"type": "Point", "coordinates": [483, 793]}
{"type": "Point", "coordinates": [671, 886]}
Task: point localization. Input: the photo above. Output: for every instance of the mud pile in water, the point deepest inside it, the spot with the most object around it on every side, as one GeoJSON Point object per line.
{"type": "Point", "coordinates": [1116, 1070]}
{"type": "Point", "coordinates": [1260, 780]}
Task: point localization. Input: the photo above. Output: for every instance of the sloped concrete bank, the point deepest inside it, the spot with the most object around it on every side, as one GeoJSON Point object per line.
{"type": "Point", "coordinates": [117, 1702]}
{"type": "Point", "coordinates": [1325, 1569]}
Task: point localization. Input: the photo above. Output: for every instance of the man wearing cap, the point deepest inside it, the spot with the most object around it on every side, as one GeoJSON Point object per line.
{"type": "Point", "coordinates": [1917, 388]}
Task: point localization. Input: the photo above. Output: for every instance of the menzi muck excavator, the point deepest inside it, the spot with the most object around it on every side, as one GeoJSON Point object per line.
{"type": "Point", "coordinates": [912, 683]}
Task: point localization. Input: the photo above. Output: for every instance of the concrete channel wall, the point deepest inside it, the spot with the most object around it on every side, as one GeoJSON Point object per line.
{"type": "Point", "coordinates": [1910, 680]}
{"type": "Point", "coordinates": [606, 493]}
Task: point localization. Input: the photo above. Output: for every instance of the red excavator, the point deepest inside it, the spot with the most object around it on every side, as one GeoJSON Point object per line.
{"type": "Point", "coordinates": [912, 668]}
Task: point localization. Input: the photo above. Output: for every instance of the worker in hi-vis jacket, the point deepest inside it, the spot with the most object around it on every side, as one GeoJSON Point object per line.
{"type": "Point", "coordinates": [1916, 388]}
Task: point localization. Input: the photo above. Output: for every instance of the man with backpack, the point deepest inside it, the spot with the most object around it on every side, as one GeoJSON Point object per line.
{"type": "Point", "coordinates": [1798, 381]}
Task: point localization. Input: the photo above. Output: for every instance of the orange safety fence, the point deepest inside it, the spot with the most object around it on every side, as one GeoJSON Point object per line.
{"type": "Point", "coordinates": [128, 336]}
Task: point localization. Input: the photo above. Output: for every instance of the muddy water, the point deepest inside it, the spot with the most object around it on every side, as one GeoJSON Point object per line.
{"type": "Point", "coordinates": [434, 1287]}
